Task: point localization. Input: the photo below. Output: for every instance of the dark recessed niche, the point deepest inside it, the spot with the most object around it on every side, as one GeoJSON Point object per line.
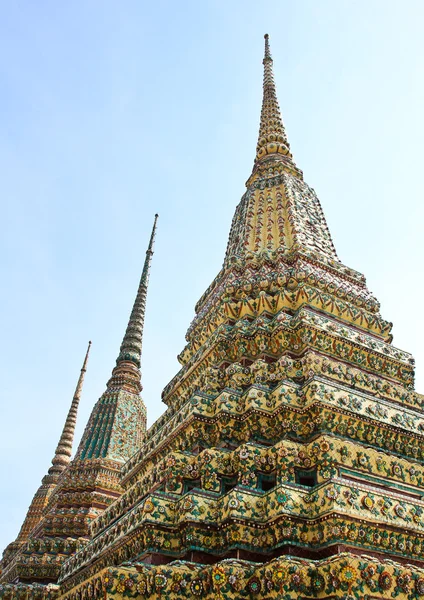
{"type": "Point", "coordinates": [227, 484]}
{"type": "Point", "coordinates": [306, 478]}
{"type": "Point", "coordinates": [191, 484]}
{"type": "Point", "coordinates": [267, 481]}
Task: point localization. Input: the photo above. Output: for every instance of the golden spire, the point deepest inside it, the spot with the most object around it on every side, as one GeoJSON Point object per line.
{"type": "Point", "coordinates": [288, 217]}
{"type": "Point", "coordinates": [63, 452]}
{"type": "Point", "coordinates": [272, 135]}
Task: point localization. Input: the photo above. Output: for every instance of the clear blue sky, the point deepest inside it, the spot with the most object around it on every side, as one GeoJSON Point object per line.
{"type": "Point", "coordinates": [110, 112]}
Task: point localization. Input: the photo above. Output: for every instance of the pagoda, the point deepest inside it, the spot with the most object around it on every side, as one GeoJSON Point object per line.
{"type": "Point", "coordinates": [289, 463]}
{"type": "Point", "coordinates": [60, 462]}
{"type": "Point", "coordinates": [74, 493]}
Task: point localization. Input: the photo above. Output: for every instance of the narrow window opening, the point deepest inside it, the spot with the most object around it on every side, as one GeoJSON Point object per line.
{"type": "Point", "coordinates": [306, 478]}
{"type": "Point", "coordinates": [267, 481]}
{"type": "Point", "coordinates": [192, 484]}
{"type": "Point", "coordinates": [227, 484]}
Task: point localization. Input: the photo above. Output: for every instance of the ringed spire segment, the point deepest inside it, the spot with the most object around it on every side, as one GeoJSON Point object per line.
{"type": "Point", "coordinates": [62, 456]}
{"type": "Point", "coordinates": [272, 134]}
{"type": "Point", "coordinates": [267, 50]}
{"type": "Point", "coordinates": [131, 346]}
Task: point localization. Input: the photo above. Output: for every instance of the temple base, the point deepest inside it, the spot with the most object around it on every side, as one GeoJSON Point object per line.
{"type": "Point", "coordinates": [345, 576]}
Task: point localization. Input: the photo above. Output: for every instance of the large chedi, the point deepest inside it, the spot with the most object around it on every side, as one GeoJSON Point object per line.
{"type": "Point", "coordinates": [290, 461]}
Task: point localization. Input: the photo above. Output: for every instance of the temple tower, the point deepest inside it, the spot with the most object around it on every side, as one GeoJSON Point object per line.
{"type": "Point", "coordinates": [60, 461]}
{"type": "Point", "coordinates": [290, 460]}
{"type": "Point", "coordinates": [117, 424]}
{"type": "Point", "coordinates": [84, 487]}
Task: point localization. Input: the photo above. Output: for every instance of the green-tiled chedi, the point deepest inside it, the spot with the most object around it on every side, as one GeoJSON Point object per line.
{"type": "Point", "coordinates": [118, 422]}
{"type": "Point", "coordinates": [89, 483]}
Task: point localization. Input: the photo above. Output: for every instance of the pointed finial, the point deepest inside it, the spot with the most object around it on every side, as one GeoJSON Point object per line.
{"type": "Point", "coordinates": [152, 236]}
{"type": "Point", "coordinates": [63, 452]}
{"type": "Point", "coordinates": [272, 135]}
{"type": "Point", "coordinates": [133, 338]}
{"type": "Point", "coordinates": [267, 50]}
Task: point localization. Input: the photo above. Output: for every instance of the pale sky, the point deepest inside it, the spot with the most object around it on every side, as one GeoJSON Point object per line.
{"type": "Point", "coordinates": [111, 112]}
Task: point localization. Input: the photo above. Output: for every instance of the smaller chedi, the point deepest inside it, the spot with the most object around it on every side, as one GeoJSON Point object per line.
{"type": "Point", "coordinates": [75, 492]}
{"type": "Point", "coordinates": [289, 462]}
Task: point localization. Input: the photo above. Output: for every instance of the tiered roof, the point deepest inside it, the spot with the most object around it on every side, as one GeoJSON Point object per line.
{"type": "Point", "coordinates": [291, 415]}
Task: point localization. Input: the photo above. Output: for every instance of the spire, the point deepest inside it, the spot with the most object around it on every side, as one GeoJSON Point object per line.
{"type": "Point", "coordinates": [117, 423]}
{"type": "Point", "coordinates": [133, 338]}
{"type": "Point", "coordinates": [126, 373]}
{"type": "Point", "coordinates": [287, 217]}
{"type": "Point", "coordinates": [63, 452]}
{"type": "Point", "coordinates": [272, 135]}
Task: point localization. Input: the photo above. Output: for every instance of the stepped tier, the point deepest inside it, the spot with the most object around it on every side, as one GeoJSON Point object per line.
{"type": "Point", "coordinates": [345, 576]}
{"type": "Point", "coordinates": [285, 274]}
{"type": "Point", "coordinates": [84, 490]}
{"type": "Point", "coordinates": [230, 466]}
{"type": "Point", "coordinates": [292, 427]}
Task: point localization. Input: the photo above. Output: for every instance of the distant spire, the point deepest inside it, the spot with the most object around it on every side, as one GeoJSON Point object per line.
{"type": "Point", "coordinates": [272, 135]}
{"type": "Point", "coordinates": [117, 423]}
{"type": "Point", "coordinates": [133, 338]}
{"type": "Point", "coordinates": [63, 452]}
